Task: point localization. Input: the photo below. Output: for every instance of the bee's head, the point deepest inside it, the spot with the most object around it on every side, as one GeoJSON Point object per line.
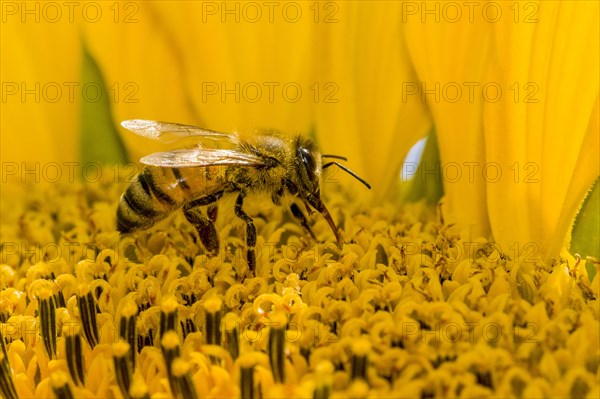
{"type": "Point", "coordinates": [307, 167]}
{"type": "Point", "coordinates": [305, 177]}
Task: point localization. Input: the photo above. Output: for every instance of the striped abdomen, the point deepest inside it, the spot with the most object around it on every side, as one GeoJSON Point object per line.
{"type": "Point", "coordinates": [156, 192]}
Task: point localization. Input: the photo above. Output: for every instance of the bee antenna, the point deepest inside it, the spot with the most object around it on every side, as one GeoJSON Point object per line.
{"type": "Point", "coordinates": [351, 173]}
{"type": "Point", "coordinates": [334, 156]}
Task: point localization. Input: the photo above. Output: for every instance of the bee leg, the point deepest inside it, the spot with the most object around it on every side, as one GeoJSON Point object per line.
{"type": "Point", "coordinates": [320, 207]}
{"type": "Point", "coordinates": [206, 230]}
{"type": "Point", "coordinates": [204, 225]}
{"type": "Point", "coordinates": [250, 231]}
{"type": "Point", "coordinates": [212, 211]}
{"type": "Point", "coordinates": [297, 212]}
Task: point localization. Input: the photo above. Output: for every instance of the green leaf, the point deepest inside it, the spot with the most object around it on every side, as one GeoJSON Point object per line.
{"type": "Point", "coordinates": [100, 140]}
{"type": "Point", "coordinates": [429, 185]}
{"type": "Point", "coordinates": [585, 239]}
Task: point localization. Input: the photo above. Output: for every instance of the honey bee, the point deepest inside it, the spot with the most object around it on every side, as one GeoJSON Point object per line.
{"type": "Point", "coordinates": [196, 178]}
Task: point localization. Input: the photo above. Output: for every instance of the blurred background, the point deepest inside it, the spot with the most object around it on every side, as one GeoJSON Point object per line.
{"type": "Point", "coordinates": [507, 92]}
{"type": "Point", "coordinates": [333, 70]}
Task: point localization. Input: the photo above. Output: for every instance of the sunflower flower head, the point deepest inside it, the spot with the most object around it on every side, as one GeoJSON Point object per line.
{"type": "Point", "coordinates": [380, 315]}
{"type": "Point", "coordinates": [476, 277]}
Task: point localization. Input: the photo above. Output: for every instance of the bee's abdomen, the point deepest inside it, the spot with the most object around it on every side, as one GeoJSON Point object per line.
{"type": "Point", "coordinates": [158, 191]}
{"type": "Point", "coordinates": [146, 201]}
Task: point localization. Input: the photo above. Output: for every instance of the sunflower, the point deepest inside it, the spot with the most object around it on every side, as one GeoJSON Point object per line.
{"type": "Point", "coordinates": [469, 271]}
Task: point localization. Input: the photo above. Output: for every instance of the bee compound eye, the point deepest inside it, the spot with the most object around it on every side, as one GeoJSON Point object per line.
{"type": "Point", "coordinates": [309, 160]}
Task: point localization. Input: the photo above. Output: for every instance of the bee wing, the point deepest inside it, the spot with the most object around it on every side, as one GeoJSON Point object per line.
{"type": "Point", "coordinates": [189, 158]}
{"type": "Point", "coordinates": [171, 132]}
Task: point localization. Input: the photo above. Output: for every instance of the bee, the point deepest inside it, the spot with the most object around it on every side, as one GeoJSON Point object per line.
{"type": "Point", "coordinates": [196, 178]}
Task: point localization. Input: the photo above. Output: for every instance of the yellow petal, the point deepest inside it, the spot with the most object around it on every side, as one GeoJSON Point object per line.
{"type": "Point", "coordinates": [371, 122]}
{"type": "Point", "coordinates": [581, 181]}
{"type": "Point", "coordinates": [140, 67]}
{"type": "Point", "coordinates": [450, 59]}
{"type": "Point", "coordinates": [40, 92]}
{"type": "Point", "coordinates": [539, 128]}
{"type": "Point", "coordinates": [246, 64]}
{"type": "Point", "coordinates": [336, 120]}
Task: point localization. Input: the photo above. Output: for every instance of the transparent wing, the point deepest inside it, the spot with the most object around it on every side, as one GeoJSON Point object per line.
{"type": "Point", "coordinates": [201, 157]}
{"type": "Point", "coordinates": [171, 132]}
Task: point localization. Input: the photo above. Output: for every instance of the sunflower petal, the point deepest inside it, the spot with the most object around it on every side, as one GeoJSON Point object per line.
{"type": "Point", "coordinates": [543, 133]}
{"type": "Point", "coordinates": [144, 81]}
{"type": "Point", "coordinates": [369, 72]}
{"type": "Point", "coordinates": [40, 72]}
{"type": "Point", "coordinates": [450, 66]}
{"type": "Point", "coordinates": [246, 63]}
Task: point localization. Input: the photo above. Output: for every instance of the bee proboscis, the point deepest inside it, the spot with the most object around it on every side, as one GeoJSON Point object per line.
{"type": "Point", "coordinates": [194, 178]}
